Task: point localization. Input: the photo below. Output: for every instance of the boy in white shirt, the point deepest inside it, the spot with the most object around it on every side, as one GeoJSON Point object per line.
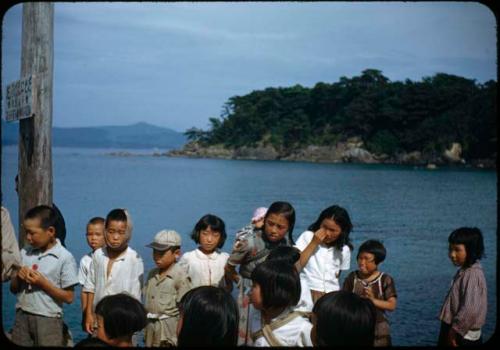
{"type": "Point", "coordinates": [115, 268]}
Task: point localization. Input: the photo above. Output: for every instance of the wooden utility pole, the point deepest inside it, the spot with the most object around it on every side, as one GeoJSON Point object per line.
{"type": "Point", "coordinates": [35, 141]}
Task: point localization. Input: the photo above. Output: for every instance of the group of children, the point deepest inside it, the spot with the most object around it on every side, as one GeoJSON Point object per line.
{"type": "Point", "coordinates": [288, 294]}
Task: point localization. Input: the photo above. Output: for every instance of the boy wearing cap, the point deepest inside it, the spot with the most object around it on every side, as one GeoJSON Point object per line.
{"type": "Point", "coordinates": [164, 288]}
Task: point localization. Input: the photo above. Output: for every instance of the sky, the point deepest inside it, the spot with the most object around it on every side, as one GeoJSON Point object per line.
{"type": "Point", "coordinates": [175, 64]}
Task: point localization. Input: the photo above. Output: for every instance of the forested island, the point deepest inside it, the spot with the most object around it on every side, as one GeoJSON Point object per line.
{"type": "Point", "coordinates": [441, 119]}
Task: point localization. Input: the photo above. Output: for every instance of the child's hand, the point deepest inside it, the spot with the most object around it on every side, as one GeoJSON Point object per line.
{"type": "Point", "coordinates": [36, 278]}
{"type": "Point", "coordinates": [368, 293]}
{"type": "Point", "coordinates": [23, 273]}
{"type": "Point", "coordinates": [89, 323]}
{"type": "Point", "coordinates": [319, 236]}
{"type": "Point", "coordinates": [452, 338]}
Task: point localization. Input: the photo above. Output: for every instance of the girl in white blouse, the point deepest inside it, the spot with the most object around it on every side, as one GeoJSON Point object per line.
{"type": "Point", "coordinates": [205, 265]}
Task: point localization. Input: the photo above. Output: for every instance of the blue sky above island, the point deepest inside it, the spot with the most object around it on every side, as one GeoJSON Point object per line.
{"type": "Point", "coordinates": [176, 64]}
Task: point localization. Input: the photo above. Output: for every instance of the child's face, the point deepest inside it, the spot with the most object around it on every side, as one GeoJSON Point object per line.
{"type": "Point", "coordinates": [209, 240]}
{"type": "Point", "coordinates": [457, 254]}
{"type": "Point", "coordinates": [37, 236]}
{"type": "Point", "coordinates": [366, 263]}
{"type": "Point", "coordinates": [165, 258]}
{"type": "Point", "coordinates": [95, 235]}
{"type": "Point", "coordinates": [256, 296]}
{"type": "Point", "coordinates": [116, 233]}
{"type": "Point", "coordinates": [333, 231]}
{"type": "Point", "coordinates": [275, 227]}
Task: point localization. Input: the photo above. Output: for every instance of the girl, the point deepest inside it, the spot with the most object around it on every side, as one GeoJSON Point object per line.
{"type": "Point", "coordinates": [208, 317]}
{"type": "Point", "coordinates": [275, 292]}
{"type": "Point", "coordinates": [251, 247]}
{"type": "Point", "coordinates": [205, 265]}
{"type": "Point", "coordinates": [369, 283]}
{"type": "Point", "coordinates": [119, 316]}
{"type": "Point", "coordinates": [343, 318]}
{"type": "Point", "coordinates": [326, 250]}
{"type": "Point", "coordinates": [464, 310]}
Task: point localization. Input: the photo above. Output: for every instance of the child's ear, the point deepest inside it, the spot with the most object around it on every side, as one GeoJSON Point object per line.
{"type": "Point", "coordinates": [177, 253]}
{"type": "Point", "coordinates": [52, 231]}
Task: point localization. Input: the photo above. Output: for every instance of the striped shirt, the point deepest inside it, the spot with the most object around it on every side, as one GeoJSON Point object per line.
{"type": "Point", "coordinates": [465, 305]}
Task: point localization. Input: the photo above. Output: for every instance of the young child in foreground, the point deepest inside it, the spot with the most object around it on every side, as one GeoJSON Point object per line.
{"type": "Point", "coordinates": [325, 251]}
{"type": "Point", "coordinates": [205, 265]}
{"type": "Point", "coordinates": [464, 309]}
{"type": "Point", "coordinates": [119, 316]}
{"type": "Point", "coordinates": [368, 282]}
{"type": "Point", "coordinates": [45, 281]}
{"type": "Point", "coordinates": [115, 268]}
{"type": "Point", "coordinates": [95, 240]}
{"type": "Point", "coordinates": [343, 318]}
{"type": "Point", "coordinates": [208, 318]}
{"type": "Point", "coordinates": [165, 286]}
{"type": "Point", "coordinates": [275, 292]}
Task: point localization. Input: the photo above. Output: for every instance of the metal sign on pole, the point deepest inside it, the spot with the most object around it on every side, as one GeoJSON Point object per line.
{"type": "Point", "coordinates": [20, 98]}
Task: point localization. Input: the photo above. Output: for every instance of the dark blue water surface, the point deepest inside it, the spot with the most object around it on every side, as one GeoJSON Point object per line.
{"type": "Point", "coordinates": [411, 210]}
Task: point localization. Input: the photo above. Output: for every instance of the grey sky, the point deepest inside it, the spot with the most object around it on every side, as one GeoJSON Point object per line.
{"type": "Point", "coordinates": [176, 64]}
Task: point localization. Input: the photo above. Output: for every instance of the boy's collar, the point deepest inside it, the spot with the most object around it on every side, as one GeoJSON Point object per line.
{"type": "Point", "coordinates": [54, 250]}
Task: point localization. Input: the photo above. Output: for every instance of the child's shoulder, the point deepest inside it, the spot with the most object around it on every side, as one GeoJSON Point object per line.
{"type": "Point", "coordinates": [131, 252]}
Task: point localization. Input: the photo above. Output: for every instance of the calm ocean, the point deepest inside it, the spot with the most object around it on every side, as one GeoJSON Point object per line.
{"type": "Point", "coordinates": [411, 210]}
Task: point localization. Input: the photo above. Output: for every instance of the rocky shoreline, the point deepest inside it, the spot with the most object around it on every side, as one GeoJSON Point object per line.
{"type": "Point", "coordinates": [351, 151]}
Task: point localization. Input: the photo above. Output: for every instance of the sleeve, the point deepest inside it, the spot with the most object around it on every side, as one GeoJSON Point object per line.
{"type": "Point", "coordinates": [389, 288]}
{"type": "Point", "coordinates": [472, 292]}
{"type": "Point", "coordinates": [241, 247]}
{"type": "Point", "coordinates": [349, 282]}
{"type": "Point", "coordinates": [89, 284]}
{"type": "Point", "coordinates": [345, 264]}
{"type": "Point", "coordinates": [11, 257]}
{"type": "Point", "coordinates": [303, 240]}
{"type": "Point", "coordinates": [69, 272]}
{"type": "Point", "coordinates": [82, 271]}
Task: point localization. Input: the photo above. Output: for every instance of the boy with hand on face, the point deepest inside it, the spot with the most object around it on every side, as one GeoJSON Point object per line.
{"type": "Point", "coordinates": [44, 282]}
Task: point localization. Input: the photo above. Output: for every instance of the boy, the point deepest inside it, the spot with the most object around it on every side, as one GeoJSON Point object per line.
{"type": "Point", "coordinates": [115, 268]}
{"type": "Point", "coordinates": [45, 280]}
{"type": "Point", "coordinates": [368, 282]}
{"type": "Point", "coordinates": [164, 288]}
{"type": "Point", "coordinates": [95, 240]}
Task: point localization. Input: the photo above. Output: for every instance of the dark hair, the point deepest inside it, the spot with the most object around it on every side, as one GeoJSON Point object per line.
{"type": "Point", "coordinates": [279, 283]}
{"type": "Point", "coordinates": [344, 318]}
{"type": "Point", "coordinates": [123, 315]}
{"type": "Point", "coordinates": [115, 215]}
{"type": "Point", "coordinates": [215, 223]}
{"type": "Point", "coordinates": [341, 218]}
{"type": "Point", "coordinates": [209, 318]}
{"type": "Point", "coordinates": [91, 342]}
{"type": "Point", "coordinates": [284, 253]}
{"type": "Point", "coordinates": [96, 220]}
{"type": "Point", "coordinates": [285, 209]}
{"type": "Point", "coordinates": [472, 239]}
{"type": "Point", "coordinates": [45, 213]}
{"type": "Point", "coordinates": [374, 247]}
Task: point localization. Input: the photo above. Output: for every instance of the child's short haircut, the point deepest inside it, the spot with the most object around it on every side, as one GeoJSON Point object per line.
{"type": "Point", "coordinates": [341, 218]}
{"type": "Point", "coordinates": [344, 318]}
{"type": "Point", "coordinates": [287, 210]}
{"type": "Point", "coordinates": [46, 214]}
{"type": "Point", "coordinates": [209, 318]}
{"type": "Point", "coordinates": [279, 283]}
{"type": "Point", "coordinates": [215, 223]}
{"type": "Point", "coordinates": [116, 215]}
{"type": "Point", "coordinates": [374, 247]}
{"type": "Point", "coordinates": [472, 239]}
{"type": "Point", "coordinates": [122, 314]}
{"type": "Point", "coordinates": [284, 253]}
{"type": "Point", "coordinates": [96, 220]}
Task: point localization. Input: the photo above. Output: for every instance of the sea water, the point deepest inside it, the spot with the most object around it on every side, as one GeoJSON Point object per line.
{"type": "Point", "coordinates": [411, 210]}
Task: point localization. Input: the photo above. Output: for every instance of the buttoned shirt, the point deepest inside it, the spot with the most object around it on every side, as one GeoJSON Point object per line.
{"type": "Point", "coordinates": [59, 267]}
{"type": "Point", "coordinates": [83, 268]}
{"type": "Point", "coordinates": [465, 306]}
{"type": "Point", "coordinates": [163, 293]}
{"type": "Point", "coordinates": [204, 269]}
{"type": "Point", "coordinates": [126, 275]}
{"type": "Point", "coordinates": [322, 269]}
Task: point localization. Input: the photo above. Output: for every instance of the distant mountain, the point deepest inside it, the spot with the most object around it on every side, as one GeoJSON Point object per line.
{"type": "Point", "coordinates": [139, 135]}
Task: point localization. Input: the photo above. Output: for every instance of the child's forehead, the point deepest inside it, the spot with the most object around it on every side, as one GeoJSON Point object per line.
{"type": "Point", "coordinates": [33, 222]}
{"type": "Point", "coordinates": [116, 223]}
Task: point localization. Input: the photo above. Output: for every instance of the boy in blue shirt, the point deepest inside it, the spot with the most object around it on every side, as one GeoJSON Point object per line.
{"type": "Point", "coordinates": [44, 282]}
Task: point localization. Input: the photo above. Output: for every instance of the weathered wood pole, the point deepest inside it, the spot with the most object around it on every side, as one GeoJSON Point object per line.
{"type": "Point", "coordinates": [35, 141]}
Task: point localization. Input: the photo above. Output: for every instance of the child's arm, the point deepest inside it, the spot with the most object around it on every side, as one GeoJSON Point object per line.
{"type": "Point", "coordinates": [318, 238]}
{"type": "Point", "coordinates": [83, 299]}
{"type": "Point", "coordinates": [59, 294]}
{"type": "Point", "coordinates": [89, 314]}
{"type": "Point", "coordinates": [389, 304]}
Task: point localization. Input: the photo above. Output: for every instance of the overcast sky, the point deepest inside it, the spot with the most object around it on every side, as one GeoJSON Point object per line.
{"type": "Point", "coordinates": [176, 64]}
